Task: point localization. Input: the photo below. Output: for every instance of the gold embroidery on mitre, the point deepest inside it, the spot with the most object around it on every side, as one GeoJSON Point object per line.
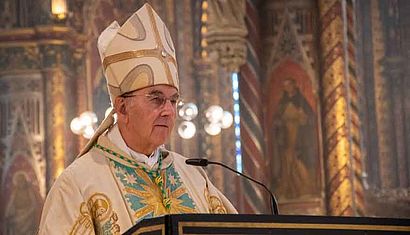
{"type": "Point", "coordinates": [140, 76]}
{"type": "Point", "coordinates": [214, 203]}
{"type": "Point", "coordinates": [133, 29]}
{"type": "Point", "coordinates": [167, 60]}
{"type": "Point", "coordinates": [168, 39]}
{"type": "Point", "coordinates": [126, 55]}
{"type": "Point", "coordinates": [158, 40]}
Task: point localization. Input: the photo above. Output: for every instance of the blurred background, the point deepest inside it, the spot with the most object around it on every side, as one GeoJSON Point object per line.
{"type": "Point", "coordinates": [311, 97]}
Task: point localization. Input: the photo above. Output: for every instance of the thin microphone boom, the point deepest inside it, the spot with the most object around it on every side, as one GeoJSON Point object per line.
{"type": "Point", "coordinates": [205, 162]}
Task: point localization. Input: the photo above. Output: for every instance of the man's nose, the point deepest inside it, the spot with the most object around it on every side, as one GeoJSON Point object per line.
{"type": "Point", "coordinates": [169, 107]}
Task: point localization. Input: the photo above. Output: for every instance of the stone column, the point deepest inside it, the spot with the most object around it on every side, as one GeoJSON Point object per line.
{"type": "Point", "coordinates": [81, 67]}
{"type": "Point", "coordinates": [56, 120]}
{"type": "Point", "coordinates": [398, 163]}
{"type": "Point", "coordinates": [341, 123]}
{"type": "Point", "coordinates": [223, 45]}
{"type": "Point", "coordinates": [57, 124]}
{"type": "Point", "coordinates": [383, 104]}
{"type": "Point", "coordinates": [58, 66]}
{"type": "Point", "coordinates": [393, 71]}
{"type": "Point", "coordinates": [226, 35]}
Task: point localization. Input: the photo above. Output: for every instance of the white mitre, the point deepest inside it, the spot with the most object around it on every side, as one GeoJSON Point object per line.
{"type": "Point", "coordinates": [136, 55]}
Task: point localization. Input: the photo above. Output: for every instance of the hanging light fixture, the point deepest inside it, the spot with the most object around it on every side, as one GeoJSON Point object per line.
{"type": "Point", "coordinates": [212, 128]}
{"type": "Point", "coordinates": [84, 124]}
{"type": "Point", "coordinates": [188, 111]}
{"type": "Point", "coordinates": [187, 130]}
{"type": "Point", "coordinates": [76, 126]}
{"type": "Point", "coordinates": [227, 120]}
{"type": "Point", "coordinates": [217, 119]}
{"type": "Point", "coordinates": [214, 113]}
{"type": "Point", "coordinates": [59, 9]}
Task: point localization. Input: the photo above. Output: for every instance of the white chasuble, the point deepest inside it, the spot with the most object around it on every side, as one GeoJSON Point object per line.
{"type": "Point", "coordinates": [106, 191]}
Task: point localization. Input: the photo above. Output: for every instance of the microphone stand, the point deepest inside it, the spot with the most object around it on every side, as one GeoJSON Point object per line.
{"type": "Point", "coordinates": [205, 162]}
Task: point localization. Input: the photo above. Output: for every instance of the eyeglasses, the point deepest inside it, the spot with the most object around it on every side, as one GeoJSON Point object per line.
{"type": "Point", "coordinates": [158, 101]}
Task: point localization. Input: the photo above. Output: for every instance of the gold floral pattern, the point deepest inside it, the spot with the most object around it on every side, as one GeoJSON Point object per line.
{"type": "Point", "coordinates": [84, 223]}
{"type": "Point", "coordinates": [215, 204]}
{"type": "Point", "coordinates": [96, 215]}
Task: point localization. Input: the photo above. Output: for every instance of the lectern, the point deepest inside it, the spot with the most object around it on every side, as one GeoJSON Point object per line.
{"type": "Point", "coordinates": [269, 224]}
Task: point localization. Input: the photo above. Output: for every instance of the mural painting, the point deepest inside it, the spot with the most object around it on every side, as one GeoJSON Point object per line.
{"type": "Point", "coordinates": [22, 208]}
{"type": "Point", "coordinates": [294, 133]}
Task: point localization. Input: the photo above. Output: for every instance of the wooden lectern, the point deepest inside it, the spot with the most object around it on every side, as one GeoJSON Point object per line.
{"type": "Point", "coordinates": [268, 224]}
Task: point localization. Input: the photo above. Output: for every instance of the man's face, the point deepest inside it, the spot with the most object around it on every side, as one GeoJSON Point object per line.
{"type": "Point", "coordinates": [150, 115]}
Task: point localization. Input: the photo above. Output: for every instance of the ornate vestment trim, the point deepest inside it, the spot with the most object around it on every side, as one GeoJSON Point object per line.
{"type": "Point", "coordinates": [144, 197]}
{"type": "Point", "coordinates": [215, 204]}
{"type": "Point", "coordinates": [98, 212]}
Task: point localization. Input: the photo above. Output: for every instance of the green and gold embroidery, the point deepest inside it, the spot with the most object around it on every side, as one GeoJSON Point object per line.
{"type": "Point", "coordinates": [150, 194]}
{"type": "Point", "coordinates": [154, 174]}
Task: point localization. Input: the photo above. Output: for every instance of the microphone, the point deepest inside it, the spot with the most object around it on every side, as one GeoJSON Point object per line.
{"type": "Point", "coordinates": [205, 162]}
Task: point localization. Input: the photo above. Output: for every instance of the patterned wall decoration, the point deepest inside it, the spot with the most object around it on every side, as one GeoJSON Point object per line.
{"type": "Point", "coordinates": [292, 114]}
{"type": "Point", "coordinates": [23, 183]}
{"type": "Point", "coordinates": [36, 70]}
{"type": "Point", "coordinates": [23, 13]}
{"type": "Point", "coordinates": [254, 198]}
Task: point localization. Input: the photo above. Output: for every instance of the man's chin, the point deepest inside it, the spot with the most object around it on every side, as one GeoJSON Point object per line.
{"type": "Point", "coordinates": [161, 135]}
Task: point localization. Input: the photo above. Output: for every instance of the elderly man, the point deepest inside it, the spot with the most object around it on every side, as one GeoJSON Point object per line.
{"type": "Point", "coordinates": [124, 175]}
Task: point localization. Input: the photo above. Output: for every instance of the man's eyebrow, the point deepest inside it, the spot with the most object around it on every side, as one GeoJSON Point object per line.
{"type": "Point", "coordinates": [176, 95]}
{"type": "Point", "coordinates": [160, 93]}
{"type": "Point", "coordinates": [155, 92]}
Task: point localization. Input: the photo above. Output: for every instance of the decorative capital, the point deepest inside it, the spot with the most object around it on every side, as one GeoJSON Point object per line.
{"type": "Point", "coordinates": [227, 31]}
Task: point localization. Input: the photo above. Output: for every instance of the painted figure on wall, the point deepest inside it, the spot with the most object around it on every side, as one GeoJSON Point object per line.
{"type": "Point", "coordinates": [294, 126]}
{"type": "Point", "coordinates": [22, 210]}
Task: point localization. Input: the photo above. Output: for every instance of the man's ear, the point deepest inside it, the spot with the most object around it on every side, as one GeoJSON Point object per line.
{"type": "Point", "coordinates": [120, 107]}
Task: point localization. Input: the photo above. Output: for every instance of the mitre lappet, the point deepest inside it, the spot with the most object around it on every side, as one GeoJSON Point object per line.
{"type": "Point", "coordinates": [138, 54]}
